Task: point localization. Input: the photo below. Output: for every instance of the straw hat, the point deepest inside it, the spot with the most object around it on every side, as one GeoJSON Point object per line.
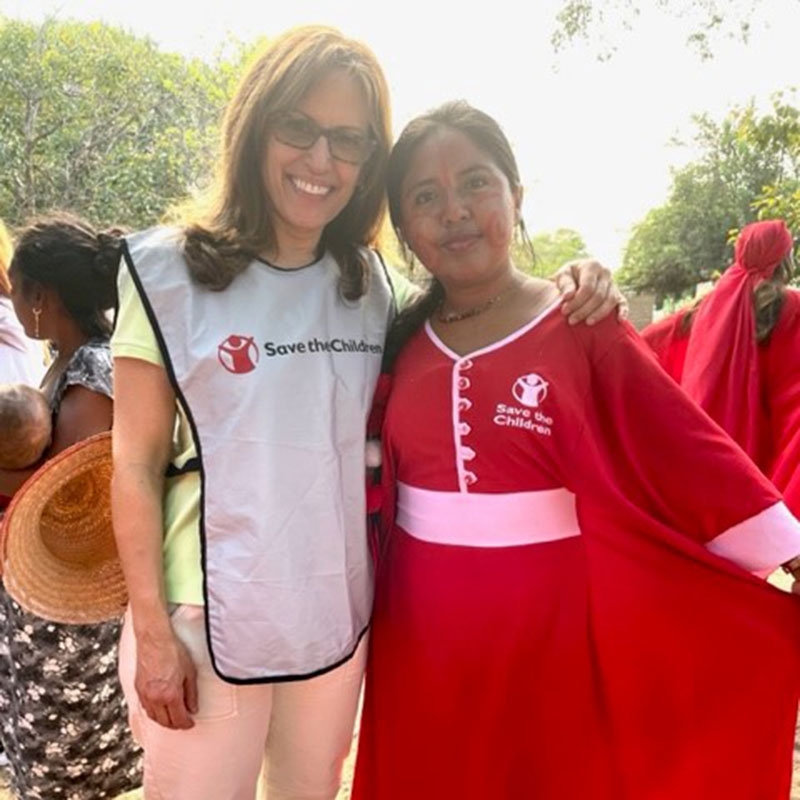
{"type": "Point", "coordinates": [60, 557]}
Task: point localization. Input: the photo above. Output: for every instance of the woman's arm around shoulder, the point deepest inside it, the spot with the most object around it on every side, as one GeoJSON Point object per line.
{"type": "Point", "coordinates": [651, 444]}
{"type": "Point", "coordinates": [589, 292]}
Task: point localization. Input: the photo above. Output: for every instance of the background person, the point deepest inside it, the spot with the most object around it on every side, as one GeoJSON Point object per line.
{"type": "Point", "coordinates": [737, 353]}
{"type": "Point", "coordinates": [565, 606]}
{"type": "Point", "coordinates": [21, 359]}
{"type": "Point", "coordinates": [62, 714]}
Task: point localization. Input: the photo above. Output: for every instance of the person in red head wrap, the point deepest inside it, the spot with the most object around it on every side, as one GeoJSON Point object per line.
{"type": "Point", "coordinates": [737, 353]}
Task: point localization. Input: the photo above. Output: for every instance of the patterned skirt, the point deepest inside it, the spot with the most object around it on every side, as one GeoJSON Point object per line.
{"type": "Point", "coordinates": [63, 719]}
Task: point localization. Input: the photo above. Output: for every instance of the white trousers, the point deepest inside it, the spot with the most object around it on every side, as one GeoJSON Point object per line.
{"type": "Point", "coordinates": [298, 732]}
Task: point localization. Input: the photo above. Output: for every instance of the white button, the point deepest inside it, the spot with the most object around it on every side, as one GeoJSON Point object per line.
{"type": "Point", "coordinates": [465, 364]}
{"type": "Point", "coordinates": [464, 429]}
{"type": "Point", "coordinates": [464, 383]}
{"type": "Point", "coordinates": [464, 404]}
{"type": "Point", "coordinates": [467, 453]}
{"type": "Point", "coordinates": [470, 478]}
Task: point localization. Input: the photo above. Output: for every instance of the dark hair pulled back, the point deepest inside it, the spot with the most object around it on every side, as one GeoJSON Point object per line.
{"type": "Point", "coordinates": [65, 253]}
{"type": "Point", "coordinates": [486, 133]}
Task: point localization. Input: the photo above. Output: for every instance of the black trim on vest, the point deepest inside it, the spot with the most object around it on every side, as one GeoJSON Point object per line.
{"type": "Point", "coordinates": [170, 370]}
{"type": "Point", "coordinates": [173, 470]}
{"type": "Point", "coordinates": [162, 345]}
{"type": "Point", "coordinates": [304, 677]}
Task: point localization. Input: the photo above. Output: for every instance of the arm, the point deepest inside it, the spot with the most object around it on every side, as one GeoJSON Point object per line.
{"type": "Point", "coordinates": [669, 463]}
{"type": "Point", "coordinates": [12, 479]}
{"type": "Point", "coordinates": [142, 436]}
{"type": "Point", "coordinates": [589, 292]}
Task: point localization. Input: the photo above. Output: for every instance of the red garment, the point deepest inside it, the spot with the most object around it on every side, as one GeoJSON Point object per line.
{"type": "Point", "coordinates": [721, 371]}
{"type": "Point", "coordinates": [625, 663]}
{"type": "Point", "coordinates": [778, 407]}
{"type": "Point", "coordinates": [779, 362]}
{"type": "Point", "coordinates": [669, 342]}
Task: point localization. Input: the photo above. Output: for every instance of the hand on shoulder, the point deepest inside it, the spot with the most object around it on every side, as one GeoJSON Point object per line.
{"type": "Point", "coordinates": [589, 292]}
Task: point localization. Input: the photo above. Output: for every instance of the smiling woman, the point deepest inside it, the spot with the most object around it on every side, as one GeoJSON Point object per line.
{"type": "Point", "coordinates": [258, 328]}
{"type": "Point", "coordinates": [312, 165]}
{"type": "Point", "coordinates": [543, 551]}
{"type": "Point", "coordinates": [458, 214]}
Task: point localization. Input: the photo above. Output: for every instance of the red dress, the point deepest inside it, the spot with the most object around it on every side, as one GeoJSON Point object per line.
{"type": "Point", "coordinates": [551, 621]}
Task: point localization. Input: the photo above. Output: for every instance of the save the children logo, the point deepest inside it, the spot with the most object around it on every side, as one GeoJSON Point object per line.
{"type": "Point", "coordinates": [530, 390]}
{"type": "Point", "coordinates": [238, 354]}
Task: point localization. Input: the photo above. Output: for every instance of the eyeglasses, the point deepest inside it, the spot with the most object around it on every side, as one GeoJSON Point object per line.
{"type": "Point", "coordinates": [351, 145]}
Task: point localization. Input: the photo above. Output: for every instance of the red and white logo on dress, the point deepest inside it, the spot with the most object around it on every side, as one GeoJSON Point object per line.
{"type": "Point", "coordinates": [530, 390]}
{"type": "Point", "coordinates": [238, 354]}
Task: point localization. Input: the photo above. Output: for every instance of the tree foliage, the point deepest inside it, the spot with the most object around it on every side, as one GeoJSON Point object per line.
{"type": "Point", "coordinates": [551, 250]}
{"type": "Point", "coordinates": [779, 131]}
{"type": "Point", "coordinates": [603, 21]}
{"type": "Point", "coordinates": [101, 122]}
{"type": "Point", "coordinates": [749, 169]}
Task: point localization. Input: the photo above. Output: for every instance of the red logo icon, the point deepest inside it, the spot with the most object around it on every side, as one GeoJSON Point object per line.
{"type": "Point", "coordinates": [238, 354]}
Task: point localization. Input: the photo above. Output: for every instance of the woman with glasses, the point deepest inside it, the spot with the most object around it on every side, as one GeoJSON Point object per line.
{"type": "Point", "coordinates": [246, 353]}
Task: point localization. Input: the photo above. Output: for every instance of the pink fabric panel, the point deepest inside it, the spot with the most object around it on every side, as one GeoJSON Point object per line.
{"type": "Point", "coordinates": [487, 520]}
{"type": "Point", "coordinates": [761, 543]}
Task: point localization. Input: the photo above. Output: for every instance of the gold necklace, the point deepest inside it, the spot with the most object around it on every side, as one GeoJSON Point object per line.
{"type": "Point", "coordinates": [457, 316]}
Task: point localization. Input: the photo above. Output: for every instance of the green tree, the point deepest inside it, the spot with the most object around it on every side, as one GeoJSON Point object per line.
{"type": "Point", "coordinates": [781, 131]}
{"type": "Point", "coordinates": [602, 22]}
{"type": "Point", "coordinates": [748, 168]}
{"type": "Point", "coordinates": [551, 249]}
{"type": "Point", "coordinates": [101, 122]}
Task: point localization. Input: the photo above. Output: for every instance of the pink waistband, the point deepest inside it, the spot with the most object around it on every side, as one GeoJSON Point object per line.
{"type": "Point", "coordinates": [487, 520]}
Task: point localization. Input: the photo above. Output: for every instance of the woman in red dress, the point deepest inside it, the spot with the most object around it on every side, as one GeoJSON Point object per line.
{"type": "Point", "coordinates": [570, 598]}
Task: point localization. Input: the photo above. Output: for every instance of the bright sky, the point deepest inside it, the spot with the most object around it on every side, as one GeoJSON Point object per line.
{"type": "Point", "coordinates": [592, 138]}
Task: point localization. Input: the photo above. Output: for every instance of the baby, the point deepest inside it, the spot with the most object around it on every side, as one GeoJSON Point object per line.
{"type": "Point", "coordinates": [25, 425]}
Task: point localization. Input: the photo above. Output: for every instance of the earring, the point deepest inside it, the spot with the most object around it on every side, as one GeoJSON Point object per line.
{"type": "Point", "coordinates": [37, 312]}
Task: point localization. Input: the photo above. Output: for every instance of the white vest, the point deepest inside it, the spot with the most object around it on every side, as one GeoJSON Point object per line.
{"type": "Point", "coordinates": [276, 375]}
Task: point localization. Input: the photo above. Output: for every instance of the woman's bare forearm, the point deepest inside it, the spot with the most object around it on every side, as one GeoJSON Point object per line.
{"type": "Point", "coordinates": [138, 528]}
{"type": "Point", "coordinates": [144, 419]}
